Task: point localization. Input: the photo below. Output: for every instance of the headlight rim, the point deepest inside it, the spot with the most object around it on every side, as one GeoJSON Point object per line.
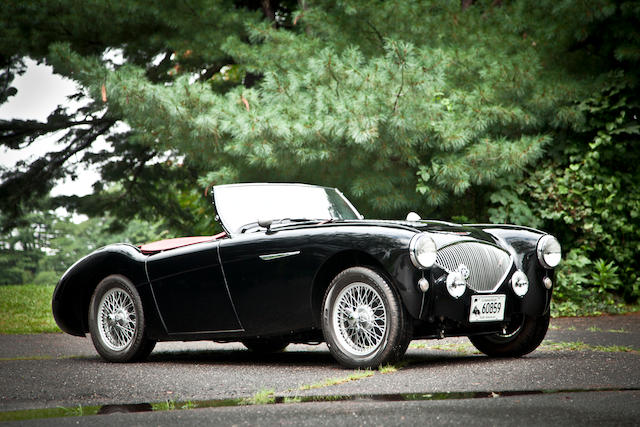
{"type": "Point", "coordinates": [540, 247]}
{"type": "Point", "coordinates": [413, 246]}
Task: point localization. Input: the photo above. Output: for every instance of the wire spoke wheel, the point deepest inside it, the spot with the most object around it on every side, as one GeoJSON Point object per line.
{"type": "Point", "coordinates": [360, 318]}
{"type": "Point", "coordinates": [117, 319]}
{"type": "Point", "coordinates": [363, 320]}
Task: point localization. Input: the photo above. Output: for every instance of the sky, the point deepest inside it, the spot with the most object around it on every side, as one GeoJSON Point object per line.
{"type": "Point", "coordinates": [40, 91]}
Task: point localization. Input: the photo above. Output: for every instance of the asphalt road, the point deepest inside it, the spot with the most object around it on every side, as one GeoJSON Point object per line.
{"type": "Point", "coordinates": [587, 371]}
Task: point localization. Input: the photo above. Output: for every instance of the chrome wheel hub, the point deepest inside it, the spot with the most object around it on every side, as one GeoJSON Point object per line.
{"type": "Point", "coordinates": [359, 319]}
{"type": "Point", "coordinates": [362, 318]}
{"type": "Point", "coordinates": [117, 319]}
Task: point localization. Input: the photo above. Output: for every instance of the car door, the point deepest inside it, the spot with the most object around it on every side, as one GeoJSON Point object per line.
{"type": "Point", "coordinates": [190, 291]}
{"type": "Point", "coordinates": [270, 278]}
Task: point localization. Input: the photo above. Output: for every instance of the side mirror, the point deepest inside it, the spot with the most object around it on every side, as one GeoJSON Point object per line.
{"type": "Point", "coordinates": [412, 216]}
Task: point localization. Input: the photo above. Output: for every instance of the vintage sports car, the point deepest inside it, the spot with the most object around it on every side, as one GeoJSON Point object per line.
{"type": "Point", "coordinates": [297, 263]}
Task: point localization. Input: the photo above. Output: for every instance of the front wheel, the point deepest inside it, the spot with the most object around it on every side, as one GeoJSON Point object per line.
{"type": "Point", "coordinates": [523, 335]}
{"type": "Point", "coordinates": [116, 321]}
{"type": "Point", "coordinates": [364, 322]}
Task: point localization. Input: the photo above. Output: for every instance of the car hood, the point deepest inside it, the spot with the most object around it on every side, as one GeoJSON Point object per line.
{"type": "Point", "coordinates": [443, 233]}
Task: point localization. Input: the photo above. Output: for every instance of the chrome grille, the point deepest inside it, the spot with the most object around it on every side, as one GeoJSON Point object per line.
{"type": "Point", "coordinates": [487, 264]}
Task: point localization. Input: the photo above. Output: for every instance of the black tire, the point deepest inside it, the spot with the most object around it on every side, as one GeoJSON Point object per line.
{"type": "Point", "coordinates": [524, 334]}
{"type": "Point", "coordinates": [116, 321]}
{"type": "Point", "coordinates": [373, 331]}
{"type": "Point", "coordinates": [265, 345]}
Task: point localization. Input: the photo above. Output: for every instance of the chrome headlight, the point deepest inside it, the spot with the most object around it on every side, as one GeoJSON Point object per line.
{"type": "Point", "coordinates": [549, 251]}
{"type": "Point", "coordinates": [456, 284]}
{"type": "Point", "coordinates": [423, 251]}
{"type": "Point", "coordinates": [520, 283]}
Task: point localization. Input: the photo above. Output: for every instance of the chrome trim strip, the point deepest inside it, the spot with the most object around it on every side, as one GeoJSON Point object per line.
{"type": "Point", "coordinates": [269, 257]}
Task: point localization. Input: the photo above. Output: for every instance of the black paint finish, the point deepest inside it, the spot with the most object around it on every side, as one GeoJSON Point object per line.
{"type": "Point", "coordinates": [190, 291]}
{"type": "Point", "coordinates": [225, 290]}
{"type": "Point", "coordinates": [70, 302]}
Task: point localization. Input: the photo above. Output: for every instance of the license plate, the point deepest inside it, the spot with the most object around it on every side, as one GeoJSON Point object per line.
{"type": "Point", "coordinates": [487, 308]}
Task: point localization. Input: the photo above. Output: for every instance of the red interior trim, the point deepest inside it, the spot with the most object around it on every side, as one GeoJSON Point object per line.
{"type": "Point", "coordinates": [164, 245]}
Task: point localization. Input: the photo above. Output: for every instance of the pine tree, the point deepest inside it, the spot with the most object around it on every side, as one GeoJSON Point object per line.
{"type": "Point", "coordinates": [162, 39]}
{"type": "Point", "coordinates": [426, 105]}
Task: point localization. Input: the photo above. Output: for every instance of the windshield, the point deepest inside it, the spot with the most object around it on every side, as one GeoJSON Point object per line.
{"type": "Point", "coordinates": [242, 205]}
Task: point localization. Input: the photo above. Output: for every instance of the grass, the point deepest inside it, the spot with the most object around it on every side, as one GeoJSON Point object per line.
{"type": "Point", "coordinates": [44, 357]}
{"type": "Point", "coordinates": [387, 369]}
{"type": "Point", "coordinates": [580, 346]}
{"type": "Point", "coordinates": [262, 397]}
{"type": "Point", "coordinates": [48, 413]}
{"type": "Point", "coordinates": [547, 345]}
{"type": "Point", "coordinates": [26, 309]}
{"type": "Point", "coordinates": [189, 405]}
{"type": "Point", "coordinates": [462, 348]}
{"type": "Point", "coordinates": [76, 411]}
{"type": "Point", "coordinates": [592, 305]}
{"type": "Point", "coordinates": [167, 405]}
{"type": "Point", "coordinates": [355, 376]}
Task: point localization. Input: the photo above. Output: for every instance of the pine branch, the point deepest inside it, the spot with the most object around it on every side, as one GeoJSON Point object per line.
{"type": "Point", "coordinates": [137, 171]}
{"type": "Point", "coordinates": [402, 65]}
{"type": "Point", "coordinates": [333, 76]}
{"type": "Point", "coordinates": [14, 133]}
{"type": "Point", "coordinates": [18, 188]}
{"type": "Point", "coordinates": [395, 104]}
{"type": "Point", "coordinates": [377, 33]}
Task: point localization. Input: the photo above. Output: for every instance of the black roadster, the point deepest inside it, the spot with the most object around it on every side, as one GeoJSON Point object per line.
{"type": "Point", "coordinates": [298, 263]}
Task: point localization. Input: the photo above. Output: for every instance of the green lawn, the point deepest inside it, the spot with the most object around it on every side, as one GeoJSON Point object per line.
{"type": "Point", "coordinates": [26, 309]}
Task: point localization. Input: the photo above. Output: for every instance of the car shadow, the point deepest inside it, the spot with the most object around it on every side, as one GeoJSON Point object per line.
{"type": "Point", "coordinates": [243, 357]}
{"type": "Point", "coordinates": [312, 358]}
{"type": "Point", "coordinates": [434, 358]}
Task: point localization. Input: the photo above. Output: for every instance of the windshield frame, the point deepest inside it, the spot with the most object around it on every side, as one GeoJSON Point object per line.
{"type": "Point", "coordinates": [224, 209]}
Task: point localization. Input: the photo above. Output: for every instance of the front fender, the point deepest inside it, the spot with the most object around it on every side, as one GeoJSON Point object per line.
{"type": "Point", "coordinates": [522, 242]}
{"type": "Point", "coordinates": [72, 295]}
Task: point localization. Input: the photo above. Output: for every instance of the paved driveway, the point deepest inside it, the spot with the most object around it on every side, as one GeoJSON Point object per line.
{"type": "Point", "coordinates": [587, 370]}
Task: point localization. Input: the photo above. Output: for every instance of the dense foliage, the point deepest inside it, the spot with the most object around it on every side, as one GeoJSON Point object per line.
{"type": "Point", "coordinates": [588, 195]}
{"type": "Point", "coordinates": [42, 250]}
{"type": "Point", "coordinates": [516, 111]}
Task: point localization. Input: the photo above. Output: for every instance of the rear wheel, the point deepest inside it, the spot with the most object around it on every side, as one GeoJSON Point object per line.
{"type": "Point", "coordinates": [116, 321]}
{"type": "Point", "coordinates": [523, 335]}
{"type": "Point", "coordinates": [363, 321]}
